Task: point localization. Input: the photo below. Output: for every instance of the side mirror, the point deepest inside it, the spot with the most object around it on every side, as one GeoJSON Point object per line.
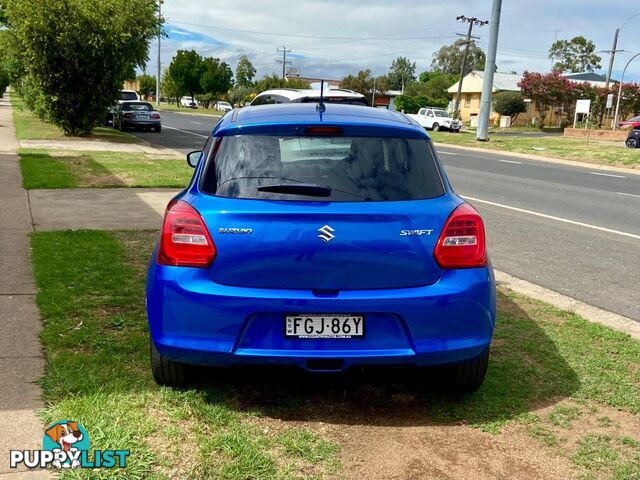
{"type": "Point", "coordinates": [193, 158]}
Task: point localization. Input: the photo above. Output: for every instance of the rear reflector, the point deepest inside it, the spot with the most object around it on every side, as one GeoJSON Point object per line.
{"type": "Point", "coordinates": [321, 130]}
{"type": "Point", "coordinates": [462, 243]}
{"type": "Point", "coordinates": [185, 240]}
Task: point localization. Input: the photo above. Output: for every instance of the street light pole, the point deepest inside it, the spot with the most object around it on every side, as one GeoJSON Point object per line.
{"type": "Point", "coordinates": [159, 36]}
{"type": "Point", "coordinates": [615, 118]}
{"type": "Point", "coordinates": [482, 134]}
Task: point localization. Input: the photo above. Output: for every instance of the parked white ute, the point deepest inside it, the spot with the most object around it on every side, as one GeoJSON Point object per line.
{"type": "Point", "coordinates": [436, 119]}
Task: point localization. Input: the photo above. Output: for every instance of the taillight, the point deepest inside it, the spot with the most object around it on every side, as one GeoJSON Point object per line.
{"type": "Point", "coordinates": [155, 116]}
{"type": "Point", "coordinates": [185, 240]}
{"type": "Point", "coordinates": [128, 115]}
{"type": "Point", "coordinates": [462, 243]}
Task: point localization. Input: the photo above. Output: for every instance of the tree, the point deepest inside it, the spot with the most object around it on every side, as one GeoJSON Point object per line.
{"type": "Point", "coordinates": [168, 87]}
{"type": "Point", "coordinates": [238, 95]}
{"type": "Point", "coordinates": [147, 84]}
{"type": "Point", "coordinates": [433, 85]}
{"type": "Point", "coordinates": [76, 54]}
{"type": "Point", "coordinates": [364, 83]}
{"type": "Point", "coordinates": [186, 69]}
{"type": "Point", "coordinates": [510, 104]}
{"type": "Point", "coordinates": [216, 79]}
{"type": "Point", "coordinates": [547, 90]}
{"type": "Point", "coordinates": [413, 103]}
{"type": "Point", "coordinates": [401, 73]}
{"type": "Point", "coordinates": [274, 81]}
{"type": "Point", "coordinates": [245, 72]}
{"type": "Point", "coordinates": [449, 58]}
{"type": "Point", "coordinates": [575, 55]}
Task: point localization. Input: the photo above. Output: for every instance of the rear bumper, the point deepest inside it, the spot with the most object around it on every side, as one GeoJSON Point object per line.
{"type": "Point", "coordinates": [141, 123]}
{"type": "Point", "coordinates": [197, 321]}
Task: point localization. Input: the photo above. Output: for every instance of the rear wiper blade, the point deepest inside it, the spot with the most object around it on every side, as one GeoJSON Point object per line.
{"type": "Point", "coordinates": [308, 189]}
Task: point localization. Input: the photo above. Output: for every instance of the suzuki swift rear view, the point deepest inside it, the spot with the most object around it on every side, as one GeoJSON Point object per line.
{"type": "Point", "coordinates": [323, 238]}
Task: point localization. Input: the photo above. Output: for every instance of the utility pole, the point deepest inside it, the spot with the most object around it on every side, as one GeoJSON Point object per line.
{"type": "Point", "coordinates": [612, 57]}
{"type": "Point", "coordinates": [482, 135]}
{"type": "Point", "coordinates": [159, 37]}
{"type": "Point", "coordinates": [284, 60]}
{"type": "Point", "coordinates": [472, 21]}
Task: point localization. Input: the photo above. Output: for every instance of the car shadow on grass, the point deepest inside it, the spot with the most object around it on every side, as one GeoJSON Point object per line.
{"type": "Point", "coordinates": [525, 370]}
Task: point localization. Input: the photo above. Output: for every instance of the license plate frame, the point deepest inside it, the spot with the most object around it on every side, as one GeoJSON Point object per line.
{"type": "Point", "coordinates": [299, 332]}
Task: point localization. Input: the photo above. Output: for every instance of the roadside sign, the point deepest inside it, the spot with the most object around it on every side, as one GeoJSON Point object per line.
{"type": "Point", "coordinates": [583, 106]}
{"type": "Point", "coordinates": [610, 100]}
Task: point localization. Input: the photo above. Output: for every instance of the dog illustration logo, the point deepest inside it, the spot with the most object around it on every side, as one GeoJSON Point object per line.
{"type": "Point", "coordinates": [68, 437]}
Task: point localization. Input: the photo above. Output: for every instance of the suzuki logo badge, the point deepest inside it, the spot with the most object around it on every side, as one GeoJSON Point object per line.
{"type": "Point", "coordinates": [326, 234]}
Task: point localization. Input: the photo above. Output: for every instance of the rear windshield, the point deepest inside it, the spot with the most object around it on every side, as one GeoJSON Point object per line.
{"type": "Point", "coordinates": [330, 99]}
{"type": "Point", "coordinates": [140, 107]}
{"type": "Point", "coordinates": [128, 96]}
{"type": "Point", "coordinates": [353, 168]}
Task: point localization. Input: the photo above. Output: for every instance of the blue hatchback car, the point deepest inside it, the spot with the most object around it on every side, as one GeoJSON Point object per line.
{"type": "Point", "coordinates": [322, 237]}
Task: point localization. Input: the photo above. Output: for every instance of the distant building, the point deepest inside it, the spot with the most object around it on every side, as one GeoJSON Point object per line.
{"type": "Point", "coordinates": [594, 79]}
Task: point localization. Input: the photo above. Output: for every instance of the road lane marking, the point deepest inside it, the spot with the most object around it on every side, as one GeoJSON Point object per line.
{"type": "Point", "coordinates": [628, 194]}
{"type": "Point", "coordinates": [186, 131]}
{"type": "Point", "coordinates": [447, 153]}
{"type": "Point", "coordinates": [552, 217]}
{"type": "Point", "coordinates": [197, 123]}
{"type": "Point", "coordinates": [509, 161]}
{"type": "Point", "coordinates": [607, 175]}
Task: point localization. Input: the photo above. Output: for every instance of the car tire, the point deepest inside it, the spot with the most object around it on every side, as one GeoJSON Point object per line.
{"type": "Point", "coordinates": [468, 376]}
{"type": "Point", "coordinates": [436, 127]}
{"type": "Point", "coordinates": [121, 127]}
{"type": "Point", "coordinates": [157, 129]}
{"type": "Point", "coordinates": [457, 130]}
{"type": "Point", "coordinates": [632, 142]}
{"type": "Point", "coordinates": [167, 372]}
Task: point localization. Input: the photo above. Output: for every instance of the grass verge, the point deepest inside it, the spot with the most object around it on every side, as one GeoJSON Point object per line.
{"type": "Point", "coordinates": [67, 169]}
{"type": "Point", "coordinates": [572, 385]}
{"type": "Point", "coordinates": [169, 107]}
{"type": "Point", "coordinates": [602, 153]}
{"type": "Point", "coordinates": [30, 127]}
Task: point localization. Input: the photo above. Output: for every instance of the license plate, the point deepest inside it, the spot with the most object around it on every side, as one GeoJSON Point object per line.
{"type": "Point", "coordinates": [330, 325]}
{"type": "Point", "coordinates": [142, 117]}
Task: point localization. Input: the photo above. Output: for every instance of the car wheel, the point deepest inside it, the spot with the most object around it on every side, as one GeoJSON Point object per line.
{"type": "Point", "coordinates": [121, 127]}
{"type": "Point", "coordinates": [167, 372]}
{"type": "Point", "coordinates": [468, 376]}
{"type": "Point", "coordinates": [436, 127]}
{"type": "Point", "coordinates": [457, 130]}
{"type": "Point", "coordinates": [632, 142]}
{"type": "Point", "coordinates": [157, 129]}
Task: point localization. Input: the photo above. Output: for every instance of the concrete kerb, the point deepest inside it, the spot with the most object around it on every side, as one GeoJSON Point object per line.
{"type": "Point", "coordinates": [100, 146]}
{"type": "Point", "coordinates": [588, 312]}
{"type": "Point", "coordinates": [559, 161]}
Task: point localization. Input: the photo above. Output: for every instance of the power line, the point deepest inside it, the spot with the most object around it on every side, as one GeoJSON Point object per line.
{"type": "Point", "coordinates": [471, 21]}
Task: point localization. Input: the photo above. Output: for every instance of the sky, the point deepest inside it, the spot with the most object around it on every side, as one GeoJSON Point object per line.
{"type": "Point", "coordinates": [330, 38]}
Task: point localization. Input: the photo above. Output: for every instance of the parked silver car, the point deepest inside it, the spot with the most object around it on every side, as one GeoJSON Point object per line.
{"type": "Point", "coordinates": [136, 115]}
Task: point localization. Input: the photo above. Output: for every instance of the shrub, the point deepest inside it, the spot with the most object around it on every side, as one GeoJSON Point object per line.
{"type": "Point", "coordinates": [509, 104]}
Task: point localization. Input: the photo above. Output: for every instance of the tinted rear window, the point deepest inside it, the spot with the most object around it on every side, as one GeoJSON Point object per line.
{"type": "Point", "coordinates": [342, 100]}
{"type": "Point", "coordinates": [142, 107]}
{"type": "Point", "coordinates": [128, 96]}
{"type": "Point", "coordinates": [354, 168]}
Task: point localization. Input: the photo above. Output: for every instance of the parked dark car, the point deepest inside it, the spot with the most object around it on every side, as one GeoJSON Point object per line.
{"type": "Point", "coordinates": [633, 140]}
{"type": "Point", "coordinates": [136, 115]}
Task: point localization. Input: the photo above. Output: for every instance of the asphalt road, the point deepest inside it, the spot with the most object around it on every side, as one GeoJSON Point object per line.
{"type": "Point", "coordinates": [573, 230]}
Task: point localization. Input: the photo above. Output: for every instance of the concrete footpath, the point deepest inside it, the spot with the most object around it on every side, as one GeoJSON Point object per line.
{"type": "Point", "coordinates": [21, 360]}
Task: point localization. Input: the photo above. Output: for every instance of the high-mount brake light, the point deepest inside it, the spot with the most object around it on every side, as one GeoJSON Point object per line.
{"type": "Point", "coordinates": [462, 243]}
{"type": "Point", "coordinates": [321, 130]}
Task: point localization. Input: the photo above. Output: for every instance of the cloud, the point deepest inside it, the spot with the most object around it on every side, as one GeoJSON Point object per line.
{"type": "Point", "coordinates": [332, 38]}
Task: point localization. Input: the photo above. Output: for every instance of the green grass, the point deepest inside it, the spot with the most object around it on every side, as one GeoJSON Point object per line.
{"type": "Point", "coordinates": [170, 107]}
{"type": "Point", "coordinates": [67, 169]}
{"type": "Point", "coordinates": [608, 456]}
{"type": "Point", "coordinates": [91, 297]}
{"type": "Point", "coordinates": [603, 153]}
{"type": "Point", "coordinates": [30, 127]}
